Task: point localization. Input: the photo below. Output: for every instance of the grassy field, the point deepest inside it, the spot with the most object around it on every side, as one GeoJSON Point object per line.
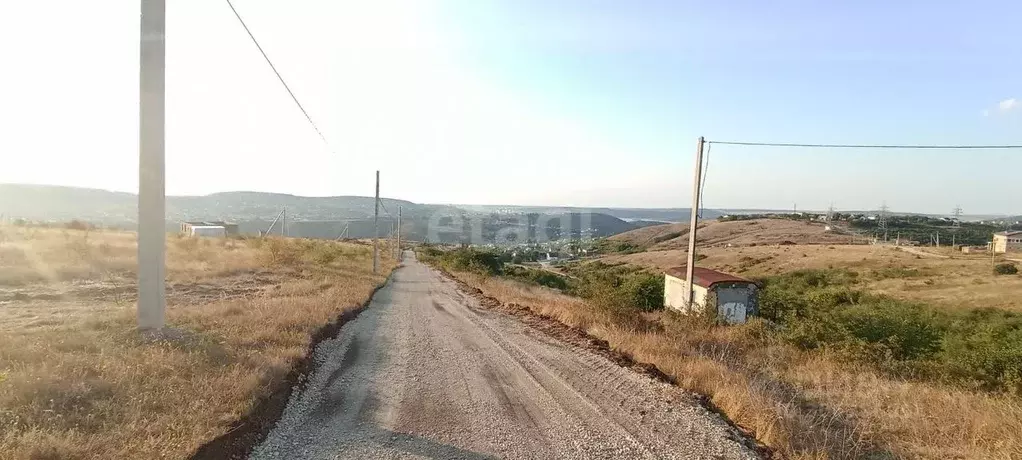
{"type": "Point", "coordinates": [76, 379]}
{"type": "Point", "coordinates": [938, 277]}
{"type": "Point", "coordinates": [736, 233]}
{"type": "Point", "coordinates": [873, 378]}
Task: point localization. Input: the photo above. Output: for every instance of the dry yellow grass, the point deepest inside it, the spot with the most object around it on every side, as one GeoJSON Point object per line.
{"type": "Point", "coordinates": [77, 381]}
{"type": "Point", "coordinates": [803, 405]}
{"type": "Point", "coordinates": [738, 233]}
{"type": "Point", "coordinates": [944, 279]}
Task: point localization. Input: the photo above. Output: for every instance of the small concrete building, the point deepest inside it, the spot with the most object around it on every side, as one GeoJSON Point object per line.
{"type": "Point", "coordinates": [207, 230]}
{"type": "Point", "coordinates": [732, 298]}
{"type": "Point", "coordinates": [1009, 241]}
{"type": "Point", "coordinates": [229, 228]}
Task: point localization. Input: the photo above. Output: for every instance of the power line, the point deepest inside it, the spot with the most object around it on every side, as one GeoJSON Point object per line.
{"type": "Point", "coordinates": [385, 209]}
{"type": "Point", "coordinates": [706, 169]}
{"type": "Point", "coordinates": [281, 78]}
{"type": "Point", "coordinates": [869, 146]}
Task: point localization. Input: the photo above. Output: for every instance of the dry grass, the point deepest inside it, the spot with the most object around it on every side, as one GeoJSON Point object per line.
{"type": "Point", "coordinates": [803, 405]}
{"type": "Point", "coordinates": [952, 280]}
{"type": "Point", "coordinates": [737, 233]}
{"type": "Point", "coordinates": [77, 381]}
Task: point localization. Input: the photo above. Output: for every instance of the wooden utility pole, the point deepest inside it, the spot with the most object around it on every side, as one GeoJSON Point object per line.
{"type": "Point", "coordinates": [694, 221]}
{"type": "Point", "coordinates": [283, 222]}
{"type": "Point", "coordinates": [152, 227]}
{"type": "Point", "coordinates": [376, 228]}
{"type": "Point", "coordinates": [399, 233]}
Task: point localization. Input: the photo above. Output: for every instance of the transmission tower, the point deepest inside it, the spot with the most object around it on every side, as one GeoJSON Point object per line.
{"type": "Point", "coordinates": [882, 221]}
{"type": "Point", "coordinates": [956, 224]}
{"type": "Point", "coordinates": [830, 213]}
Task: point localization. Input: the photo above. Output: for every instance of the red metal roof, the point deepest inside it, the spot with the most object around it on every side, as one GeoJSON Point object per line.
{"type": "Point", "coordinates": [705, 277]}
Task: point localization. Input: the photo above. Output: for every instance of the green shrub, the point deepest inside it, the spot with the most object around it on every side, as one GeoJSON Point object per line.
{"type": "Point", "coordinates": [536, 276]}
{"type": "Point", "coordinates": [894, 330]}
{"type": "Point", "coordinates": [816, 309]}
{"type": "Point", "coordinates": [617, 247]}
{"type": "Point", "coordinates": [644, 291]}
{"type": "Point", "coordinates": [464, 259]}
{"type": "Point", "coordinates": [1005, 269]}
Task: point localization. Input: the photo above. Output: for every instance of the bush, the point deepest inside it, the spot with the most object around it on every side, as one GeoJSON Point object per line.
{"type": "Point", "coordinates": [644, 291]}
{"type": "Point", "coordinates": [280, 251]}
{"type": "Point", "coordinates": [464, 259]}
{"type": "Point", "coordinates": [607, 246]}
{"type": "Point", "coordinates": [76, 224]}
{"type": "Point", "coordinates": [1005, 269]}
{"type": "Point", "coordinates": [824, 309]}
{"type": "Point", "coordinates": [536, 276]}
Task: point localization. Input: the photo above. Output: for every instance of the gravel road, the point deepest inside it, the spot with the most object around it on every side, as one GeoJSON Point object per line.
{"type": "Point", "coordinates": [425, 372]}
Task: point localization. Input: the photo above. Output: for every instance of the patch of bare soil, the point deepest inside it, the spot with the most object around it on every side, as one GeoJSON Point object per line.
{"type": "Point", "coordinates": [242, 284]}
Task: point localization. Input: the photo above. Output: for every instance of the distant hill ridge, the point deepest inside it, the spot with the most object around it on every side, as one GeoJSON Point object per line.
{"type": "Point", "coordinates": [316, 217]}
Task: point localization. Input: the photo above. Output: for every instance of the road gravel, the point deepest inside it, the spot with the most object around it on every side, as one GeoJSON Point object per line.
{"type": "Point", "coordinates": [426, 372]}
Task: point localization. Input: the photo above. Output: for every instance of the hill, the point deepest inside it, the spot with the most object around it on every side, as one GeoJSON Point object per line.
{"type": "Point", "coordinates": [632, 214]}
{"type": "Point", "coordinates": [311, 217]}
{"type": "Point", "coordinates": [736, 233]}
{"type": "Point", "coordinates": [57, 203]}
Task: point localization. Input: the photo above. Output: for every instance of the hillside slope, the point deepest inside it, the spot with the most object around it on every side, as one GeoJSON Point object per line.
{"type": "Point", "coordinates": [735, 233]}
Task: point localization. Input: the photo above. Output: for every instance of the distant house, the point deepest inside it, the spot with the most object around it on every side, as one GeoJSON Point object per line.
{"type": "Point", "coordinates": [187, 228]}
{"type": "Point", "coordinates": [733, 298]}
{"type": "Point", "coordinates": [1008, 241]}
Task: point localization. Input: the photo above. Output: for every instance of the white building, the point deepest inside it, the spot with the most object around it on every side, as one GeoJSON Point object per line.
{"type": "Point", "coordinates": [208, 230]}
{"type": "Point", "coordinates": [733, 298]}
{"type": "Point", "coordinates": [1007, 241]}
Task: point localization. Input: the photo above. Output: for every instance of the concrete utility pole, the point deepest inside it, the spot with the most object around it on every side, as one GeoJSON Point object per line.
{"type": "Point", "coordinates": [693, 222]}
{"type": "Point", "coordinates": [283, 222]}
{"type": "Point", "coordinates": [376, 228]}
{"type": "Point", "coordinates": [343, 233]}
{"type": "Point", "coordinates": [399, 233]}
{"type": "Point", "coordinates": [272, 224]}
{"type": "Point", "coordinates": [152, 230]}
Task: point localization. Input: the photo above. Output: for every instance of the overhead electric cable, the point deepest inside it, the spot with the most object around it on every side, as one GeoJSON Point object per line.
{"type": "Point", "coordinates": [279, 77]}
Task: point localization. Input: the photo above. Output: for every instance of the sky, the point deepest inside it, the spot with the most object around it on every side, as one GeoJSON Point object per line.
{"type": "Point", "coordinates": [531, 102]}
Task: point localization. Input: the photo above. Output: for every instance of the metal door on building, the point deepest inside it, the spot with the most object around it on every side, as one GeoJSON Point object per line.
{"type": "Point", "coordinates": [732, 304]}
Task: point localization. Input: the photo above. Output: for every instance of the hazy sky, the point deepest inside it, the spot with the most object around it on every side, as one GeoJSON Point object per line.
{"type": "Point", "coordinates": [556, 102]}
